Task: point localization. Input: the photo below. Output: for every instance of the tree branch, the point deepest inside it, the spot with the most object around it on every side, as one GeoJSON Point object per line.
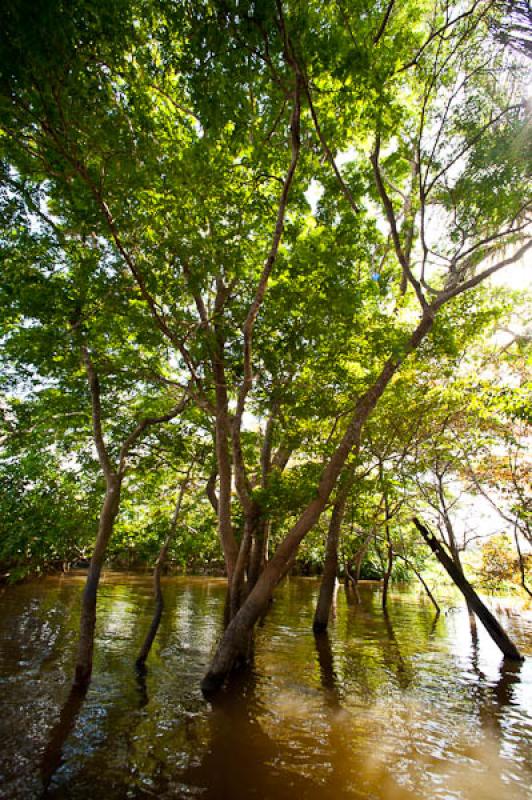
{"type": "Point", "coordinates": [94, 386]}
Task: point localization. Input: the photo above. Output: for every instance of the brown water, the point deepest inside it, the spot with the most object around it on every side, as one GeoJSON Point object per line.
{"type": "Point", "coordinates": [391, 708]}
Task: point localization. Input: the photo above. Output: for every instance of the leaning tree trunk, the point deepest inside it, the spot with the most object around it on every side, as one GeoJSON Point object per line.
{"type": "Point", "coordinates": [159, 607]}
{"type": "Point", "coordinates": [495, 630]}
{"type": "Point", "coordinates": [421, 580]}
{"type": "Point", "coordinates": [453, 547]}
{"type": "Point", "coordinates": [88, 604]}
{"type": "Point", "coordinates": [330, 569]}
{"type": "Point", "coordinates": [233, 644]}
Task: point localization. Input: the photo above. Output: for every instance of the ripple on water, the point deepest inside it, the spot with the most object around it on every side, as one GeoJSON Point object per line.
{"type": "Point", "coordinates": [391, 707]}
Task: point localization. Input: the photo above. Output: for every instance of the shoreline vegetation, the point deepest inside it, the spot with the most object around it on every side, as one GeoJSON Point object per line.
{"type": "Point", "coordinates": [446, 589]}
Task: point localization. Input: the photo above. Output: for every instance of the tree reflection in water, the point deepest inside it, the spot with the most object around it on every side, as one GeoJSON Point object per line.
{"type": "Point", "coordinates": [387, 707]}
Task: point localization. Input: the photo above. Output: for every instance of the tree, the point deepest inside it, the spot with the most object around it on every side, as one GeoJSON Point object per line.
{"type": "Point", "coordinates": [181, 143]}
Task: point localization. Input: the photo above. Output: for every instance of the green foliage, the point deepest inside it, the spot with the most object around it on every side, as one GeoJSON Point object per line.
{"type": "Point", "coordinates": [144, 149]}
{"type": "Point", "coordinates": [47, 516]}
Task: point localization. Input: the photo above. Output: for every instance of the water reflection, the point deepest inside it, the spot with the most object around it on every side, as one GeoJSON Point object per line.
{"type": "Point", "coordinates": [390, 706]}
{"type": "Point", "coordinates": [53, 752]}
{"type": "Point", "coordinates": [326, 662]}
{"type": "Point", "coordinates": [241, 759]}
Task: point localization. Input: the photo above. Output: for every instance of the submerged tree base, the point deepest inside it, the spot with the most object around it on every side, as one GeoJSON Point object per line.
{"type": "Point", "coordinates": [474, 603]}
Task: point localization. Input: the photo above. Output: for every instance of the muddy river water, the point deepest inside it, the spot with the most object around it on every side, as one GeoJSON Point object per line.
{"type": "Point", "coordinates": [391, 707]}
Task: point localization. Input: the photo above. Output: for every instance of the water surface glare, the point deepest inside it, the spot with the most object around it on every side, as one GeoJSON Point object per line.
{"type": "Point", "coordinates": [389, 707]}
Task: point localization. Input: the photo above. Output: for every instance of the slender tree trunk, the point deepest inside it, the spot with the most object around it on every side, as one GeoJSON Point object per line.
{"type": "Point", "coordinates": [388, 571]}
{"type": "Point", "coordinates": [238, 582]}
{"type": "Point", "coordinates": [495, 630]}
{"type": "Point", "coordinates": [389, 550]}
{"type": "Point", "coordinates": [458, 564]}
{"type": "Point", "coordinates": [357, 564]}
{"type": "Point", "coordinates": [330, 568]}
{"type": "Point", "coordinates": [421, 580]}
{"type": "Point", "coordinates": [521, 562]}
{"type": "Point", "coordinates": [113, 479]}
{"type": "Point", "coordinates": [159, 564]}
{"type": "Point", "coordinates": [225, 527]}
{"type": "Point", "coordinates": [257, 558]}
{"type": "Point", "coordinates": [159, 608]}
{"type": "Point", "coordinates": [361, 552]}
{"type": "Point", "coordinates": [88, 604]}
{"type": "Point", "coordinates": [210, 489]}
{"type": "Point", "coordinates": [453, 547]}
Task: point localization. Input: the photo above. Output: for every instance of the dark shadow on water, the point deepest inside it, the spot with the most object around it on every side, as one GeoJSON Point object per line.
{"type": "Point", "coordinates": [328, 677]}
{"type": "Point", "coordinates": [326, 661]}
{"type": "Point", "coordinates": [510, 676]}
{"type": "Point", "coordinates": [241, 760]}
{"type": "Point", "coordinates": [352, 594]}
{"type": "Point", "coordinates": [493, 698]}
{"type": "Point", "coordinates": [53, 754]}
{"type": "Point", "coordinates": [434, 625]}
{"type": "Point", "coordinates": [393, 656]}
{"type": "Point", "coordinates": [140, 674]}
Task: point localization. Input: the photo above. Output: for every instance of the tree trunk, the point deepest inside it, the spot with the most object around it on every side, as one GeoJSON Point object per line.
{"type": "Point", "coordinates": [453, 546]}
{"type": "Point", "coordinates": [257, 558]}
{"type": "Point", "coordinates": [388, 571]}
{"type": "Point", "coordinates": [357, 563]}
{"type": "Point", "coordinates": [389, 550]}
{"type": "Point", "coordinates": [159, 608]}
{"type": "Point", "coordinates": [157, 591]}
{"type": "Point", "coordinates": [225, 528]}
{"type": "Point", "coordinates": [389, 554]}
{"type": "Point", "coordinates": [421, 580]}
{"type": "Point", "coordinates": [238, 581]}
{"type": "Point", "coordinates": [236, 636]}
{"type": "Point", "coordinates": [88, 604]}
{"type": "Point", "coordinates": [330, 569]}
{"type": "Point", "coordinates": [521, 562]}
{"type": "Point", "coordinates": [495, 630]}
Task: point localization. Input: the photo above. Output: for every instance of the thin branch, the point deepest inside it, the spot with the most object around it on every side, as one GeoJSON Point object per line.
{"type": "Point", "coordinates": [143, 425]}
{"type": "Point", "coordinates": [384, 22]}
{"type": "Point", "coordinates": [445, 295]}
{"type": "Point", "coordinates": [390, 215]}
{"type": "Point", "coordinates": [94, 386]}
{"type": "Point", "coordinates": [327, 151]}
{"type": "Point", "coordinates": [437, 33]}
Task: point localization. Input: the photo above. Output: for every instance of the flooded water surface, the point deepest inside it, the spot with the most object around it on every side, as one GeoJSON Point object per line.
{"type": "Point", "coordinates": [389, 707]}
